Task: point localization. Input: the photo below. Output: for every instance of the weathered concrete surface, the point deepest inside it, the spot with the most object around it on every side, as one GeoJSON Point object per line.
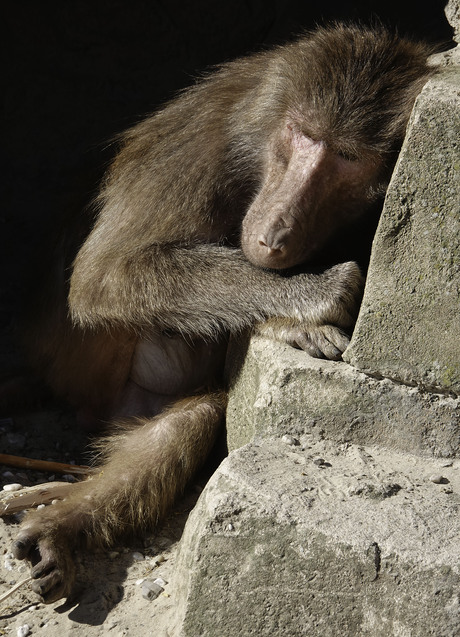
{"type": "Point", "coordinates": [452, 12]}
{"type": "Point", "coordinates": [409, 324]}
{"type": "Point", "coordinates": [299, 394]}
{"type": "Point", "coordinates": [360, 543]}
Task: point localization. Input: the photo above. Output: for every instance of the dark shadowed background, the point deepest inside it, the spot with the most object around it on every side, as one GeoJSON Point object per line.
{"type": "Point", "coordinates": [76, 73]}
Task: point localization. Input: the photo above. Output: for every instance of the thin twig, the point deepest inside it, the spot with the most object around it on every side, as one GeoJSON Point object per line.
{"type": "Point", "coordinates": [43, 465]}
{"type": "Point", "coordinates": [14, 589]}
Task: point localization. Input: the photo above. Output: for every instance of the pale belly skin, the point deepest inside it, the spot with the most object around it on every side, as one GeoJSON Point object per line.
{"type": "Point", "coordinates": [166, 367]}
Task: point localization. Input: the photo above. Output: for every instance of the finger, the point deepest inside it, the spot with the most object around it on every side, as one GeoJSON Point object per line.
{"type": "Point", "coordinates": [304, 342]}
{"type": "Point", "coordinates": [330, 351]}
{"type": "Point", "coordinates": [337, 337]}
{"type": "Point", "coordinates": [23, 545]}
{"type": "Point", "coordinates": [50, 588]}
{"type": "Point", "coordinates": [42, 569]}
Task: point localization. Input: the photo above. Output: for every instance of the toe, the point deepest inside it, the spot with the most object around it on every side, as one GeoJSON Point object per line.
{"type": "Point", "coordinates": [23, 546]}
{"type": "Point", "coordinates": [51, 587]}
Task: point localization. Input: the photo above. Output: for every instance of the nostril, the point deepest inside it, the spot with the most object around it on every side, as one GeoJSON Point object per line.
{"type": "Point", "coordinates": [272, 245]}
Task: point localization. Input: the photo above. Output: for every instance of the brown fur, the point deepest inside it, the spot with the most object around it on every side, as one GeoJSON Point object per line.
{"type": "Point", "coordinates": [244, 174]}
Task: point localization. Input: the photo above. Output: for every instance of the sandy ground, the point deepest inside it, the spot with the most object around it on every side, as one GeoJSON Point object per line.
{"type": "Point", "coordinates": [109, 594]}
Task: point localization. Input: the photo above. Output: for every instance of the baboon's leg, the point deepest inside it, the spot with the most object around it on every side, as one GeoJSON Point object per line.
{"type": "Point", "coordinates": [149, 462]}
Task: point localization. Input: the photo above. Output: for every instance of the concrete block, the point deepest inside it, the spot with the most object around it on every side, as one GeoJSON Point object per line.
{"type": "Point", "coordinates": [276, 390]}
{"type": "Point", "coordinates": [452, 11]}
{"type": "Point", "coordinates": [321, 540]}
{"type": "Point", "coordinates": [409, 324]}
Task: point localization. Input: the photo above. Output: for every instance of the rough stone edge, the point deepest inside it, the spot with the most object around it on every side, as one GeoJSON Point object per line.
{"type": "Point", "coordinates": [334, 400]}
{"type": "Point", "coordinates": [443, 88]}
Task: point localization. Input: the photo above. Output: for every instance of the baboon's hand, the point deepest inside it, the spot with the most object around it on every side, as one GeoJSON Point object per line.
{"type": "Point", "coordinates": [319, 341]}
{"type": "Point", "coordinates": [52, 566]}
{"type": "Point", "coordinates": [331, 298]}
{"type": "Point", "coordinates": [324, 341]}
{"type": "Point", "coordinates": [46, 539]}
{"type": "Point", "coordinates": [346, 284]}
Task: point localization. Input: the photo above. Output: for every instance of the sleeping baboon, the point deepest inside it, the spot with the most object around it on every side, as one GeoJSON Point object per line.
{"type": "Point", "coordinates": [203, 215]}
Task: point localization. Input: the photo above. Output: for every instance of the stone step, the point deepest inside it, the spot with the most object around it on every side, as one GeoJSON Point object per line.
{"type": "Point", "coordinates": [277, 389]}
{"type": "Point", "coordinates": [323, 539]}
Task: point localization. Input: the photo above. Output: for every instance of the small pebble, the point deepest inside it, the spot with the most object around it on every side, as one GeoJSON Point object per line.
{"type": "Point", "coordinates": [7, 475]}
{"type": "Point", "coordinates": [23, 631]}
{"type": "Point", "coordinates": [150, 590]}
{"type": "Point", "coordinates": [41, 506]}
{"type": "Point", "coordinates": [438, 479]}
{"type": "Point", "coordinates": [69, 478]}
{"type": "Point", "coordinates": [230, 527]}
{"type": "Point", "coordinates": [138, 557]}
{"type": "Point", "coordinates": [318, 461]}
{"type": "Point", "coordinates": [114, 554]}
{"type": "Point", "coordinates": [290, 440]}
{"type": "Point", "coordinates": [14, 486]}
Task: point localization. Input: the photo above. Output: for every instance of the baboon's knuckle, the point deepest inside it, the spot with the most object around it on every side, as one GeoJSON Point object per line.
{"type": "Point", "coordinates": [50, 588]}
{"type": "Point", "coordinates": [21, 547]}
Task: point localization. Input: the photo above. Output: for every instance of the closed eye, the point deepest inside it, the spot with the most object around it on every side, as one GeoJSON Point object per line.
{"type": "Point", "coordinates": [343, 154]}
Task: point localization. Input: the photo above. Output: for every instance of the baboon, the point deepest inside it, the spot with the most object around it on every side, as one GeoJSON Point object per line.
{"type": "Point", "coordinates": [205, 220]}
